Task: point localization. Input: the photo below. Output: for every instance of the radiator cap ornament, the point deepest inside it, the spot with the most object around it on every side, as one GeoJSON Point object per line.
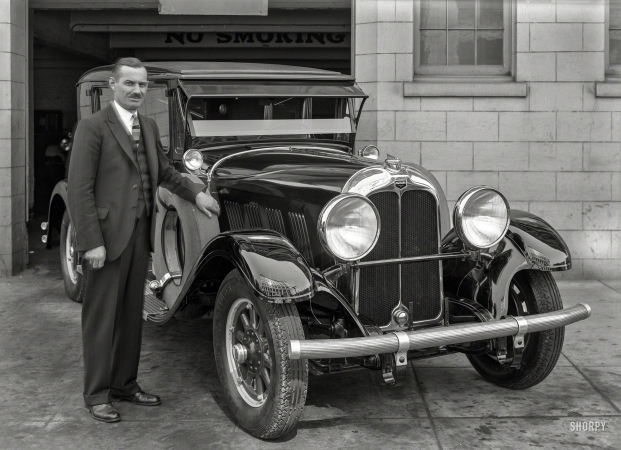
{"type": "Point", "coordinates": [392, 163]}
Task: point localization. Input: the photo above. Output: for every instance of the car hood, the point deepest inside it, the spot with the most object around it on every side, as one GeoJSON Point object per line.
{"type": "Point", "coordinates": [306, 173]}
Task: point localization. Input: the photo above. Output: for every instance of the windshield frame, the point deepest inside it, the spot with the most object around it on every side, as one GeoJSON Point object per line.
{"type": "Point", "coordinates": [349, 144]}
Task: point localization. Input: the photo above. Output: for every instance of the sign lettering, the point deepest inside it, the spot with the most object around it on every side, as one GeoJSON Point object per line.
{"type": "Point", "coordinates": [242, 39]}
{"type": "Point", "coordinates": [266, 38]}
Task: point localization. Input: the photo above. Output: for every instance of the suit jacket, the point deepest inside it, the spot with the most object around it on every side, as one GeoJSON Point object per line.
{"type": "Point", "coordinates": [104, 179]}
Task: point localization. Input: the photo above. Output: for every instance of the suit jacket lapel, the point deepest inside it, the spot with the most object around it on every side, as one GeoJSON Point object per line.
{"type": "Point", "coordinates": [119, 132]}
{"type": "Point", "coordinates": [148, 135]}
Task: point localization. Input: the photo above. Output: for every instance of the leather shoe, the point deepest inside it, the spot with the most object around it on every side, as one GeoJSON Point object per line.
{"type": "Point", "coordinates": [139, 398]}
{"type": "Point", "coordinates": [104, 413]}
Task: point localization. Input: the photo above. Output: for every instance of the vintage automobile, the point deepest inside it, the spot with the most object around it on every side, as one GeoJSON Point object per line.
{"type": "Point", "coordinates": [325, 259]}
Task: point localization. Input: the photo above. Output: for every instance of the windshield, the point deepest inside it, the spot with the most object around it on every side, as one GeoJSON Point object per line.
{"type": "Point", "coordinates": [247, 118]}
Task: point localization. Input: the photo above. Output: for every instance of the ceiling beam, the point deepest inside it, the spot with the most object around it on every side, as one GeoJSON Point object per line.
{"type": "Point", "coordinates": [52, 29]}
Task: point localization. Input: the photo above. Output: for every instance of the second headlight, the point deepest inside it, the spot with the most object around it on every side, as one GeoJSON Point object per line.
{"type": "Point", "coordinates": [481, 217]}
{"type": "Point", "coordinates": [348, 227]}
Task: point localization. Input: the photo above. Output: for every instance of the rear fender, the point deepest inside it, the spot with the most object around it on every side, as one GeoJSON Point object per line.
{"type": "Point", "coordinates": [56, 209]}
{"type": "Point", "coordinates": [530, 243]}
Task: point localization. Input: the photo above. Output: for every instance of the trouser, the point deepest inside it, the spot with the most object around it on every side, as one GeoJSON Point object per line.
{"type": "Point", "coordinates": [112, 320]}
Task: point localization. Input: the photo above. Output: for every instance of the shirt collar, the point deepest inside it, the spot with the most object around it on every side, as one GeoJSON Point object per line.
{"type": "Point", "coordinates": [126, 115]}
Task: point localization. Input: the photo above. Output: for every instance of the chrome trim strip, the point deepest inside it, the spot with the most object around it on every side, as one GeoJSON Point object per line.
{"type": "Point", "coordinates": [355, 288]}
{"type": "Point", "coordinates": [300, 236]}
{"type": "Point", "coordinates": [411, 259]}
{"type": "Point", "coordinates": [393, 323]}
{"type": "Point", "coordinates": [434, 337]}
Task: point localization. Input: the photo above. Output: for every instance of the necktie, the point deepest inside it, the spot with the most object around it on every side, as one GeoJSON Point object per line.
{"type": "Point", "coordinates": [135, 128]}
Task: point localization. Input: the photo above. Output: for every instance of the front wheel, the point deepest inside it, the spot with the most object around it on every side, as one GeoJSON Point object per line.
{"type": "Point", "coordinates": [74, 280]}
{"type": "Point", "coordinates": [530, 292]}
{"type": "Point", "coordinates": [264, 388]}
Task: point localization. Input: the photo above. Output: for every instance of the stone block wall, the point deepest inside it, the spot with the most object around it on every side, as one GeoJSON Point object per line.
{"type": "Point", "coordinates": [13, 88]}
{"type": "Point", "coordinates": [555, 152]}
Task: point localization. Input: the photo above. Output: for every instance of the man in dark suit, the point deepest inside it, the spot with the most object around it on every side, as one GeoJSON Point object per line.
{"type": "Point", "coordinates": [116, 165]}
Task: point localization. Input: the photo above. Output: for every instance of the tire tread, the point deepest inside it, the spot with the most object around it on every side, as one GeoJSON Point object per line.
{"type": "Point", "coordinates": [284, 323]}
{"type": "Point", "coordinates": [547, 298]}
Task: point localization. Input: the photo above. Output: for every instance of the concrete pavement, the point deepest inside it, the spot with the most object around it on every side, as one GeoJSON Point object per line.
{"type": "Point", "coordinates": [444, 404]}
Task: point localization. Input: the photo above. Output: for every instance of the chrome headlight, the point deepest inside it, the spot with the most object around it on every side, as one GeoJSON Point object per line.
{"type": "Point", "coordinates": [193, 160]}
{"type": "Point", "coordinates": [481, 217]}
{"type": "Point", "coordinates": [349, 226]}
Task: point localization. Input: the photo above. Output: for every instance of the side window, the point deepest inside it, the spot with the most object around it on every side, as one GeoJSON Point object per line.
{"type": "Point", "coordinates": [106, 97]}
{"type": "Point", "coordinates": [155, 105]}
{"type": "Point", "coordinates": [85, 106]}
{"type": "Point", "coordinates": [463, 37]}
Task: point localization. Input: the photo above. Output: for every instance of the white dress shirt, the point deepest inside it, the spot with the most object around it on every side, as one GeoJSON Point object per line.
{"type": "Point", "coordinates": [126, 116]}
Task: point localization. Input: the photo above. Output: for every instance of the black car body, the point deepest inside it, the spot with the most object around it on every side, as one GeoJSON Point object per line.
{"type": "Point", "coordinates": [324, 259]}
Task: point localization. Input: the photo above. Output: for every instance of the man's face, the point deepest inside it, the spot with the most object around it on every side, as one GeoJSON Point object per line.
{"type": "Point", "coordinates": [130, 88]}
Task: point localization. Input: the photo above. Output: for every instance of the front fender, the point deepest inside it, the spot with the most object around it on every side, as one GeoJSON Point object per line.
{"type": "Point", "coordinates": [540, 244]}
{"type": "Point", "coordinates": [271, 265]}
{"type": "Point", "coordinates": [56, 209]}
{"type": "Point", "coordinates": [530, 243]}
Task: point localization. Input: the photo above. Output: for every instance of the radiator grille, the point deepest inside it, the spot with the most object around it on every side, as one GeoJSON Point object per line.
{"type": "Point", "coordinates": [234, 214]}
{"type": "Point", "coordinates": [253, 217]}
{"type": "Point", "coordinates": [420, 282]}
{"type": "Point", "coordinates": [300, 236]}
{"type": "Point", "coordinates": [380, 288]}
{"type": "Point", "coordinates": [274, 219]}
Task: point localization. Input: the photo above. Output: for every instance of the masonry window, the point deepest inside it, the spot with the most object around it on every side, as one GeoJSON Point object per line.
{"type": "Point", "coordinates": [614, 39]}
{"type": "Point", "coordinates": [463, 38]}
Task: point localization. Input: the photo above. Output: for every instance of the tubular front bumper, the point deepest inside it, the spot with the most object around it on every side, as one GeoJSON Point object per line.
{"type": "Point", "coordinates": [434, 337]}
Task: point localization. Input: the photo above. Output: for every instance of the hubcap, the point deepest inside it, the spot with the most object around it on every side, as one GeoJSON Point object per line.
{"type": "Point", "coordinates": [240, 353]}
{"type": "Point", "coordinates": [248, 352]}
{"type": "Point", "coordinates": [72, 260]}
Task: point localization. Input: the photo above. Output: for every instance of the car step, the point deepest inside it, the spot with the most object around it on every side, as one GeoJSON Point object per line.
{"type": "Point", "coordinates": [153, 307]}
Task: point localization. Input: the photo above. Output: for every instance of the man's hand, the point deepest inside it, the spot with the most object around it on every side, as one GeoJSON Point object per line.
{"type": "Point", "coordinates": [96, 256]}
{"type": "Point", "coordinates": [207, 204]}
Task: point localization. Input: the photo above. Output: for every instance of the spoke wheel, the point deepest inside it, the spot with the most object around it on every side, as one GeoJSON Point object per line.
{"type": "Point", "coordinates": [264, 388]}
{"type": "Point", "coordinates": [248, 351]}
{"type": "Point", "coordinates": [73, 280]}
{"type": "Point", "coordinates": [530, 292]}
